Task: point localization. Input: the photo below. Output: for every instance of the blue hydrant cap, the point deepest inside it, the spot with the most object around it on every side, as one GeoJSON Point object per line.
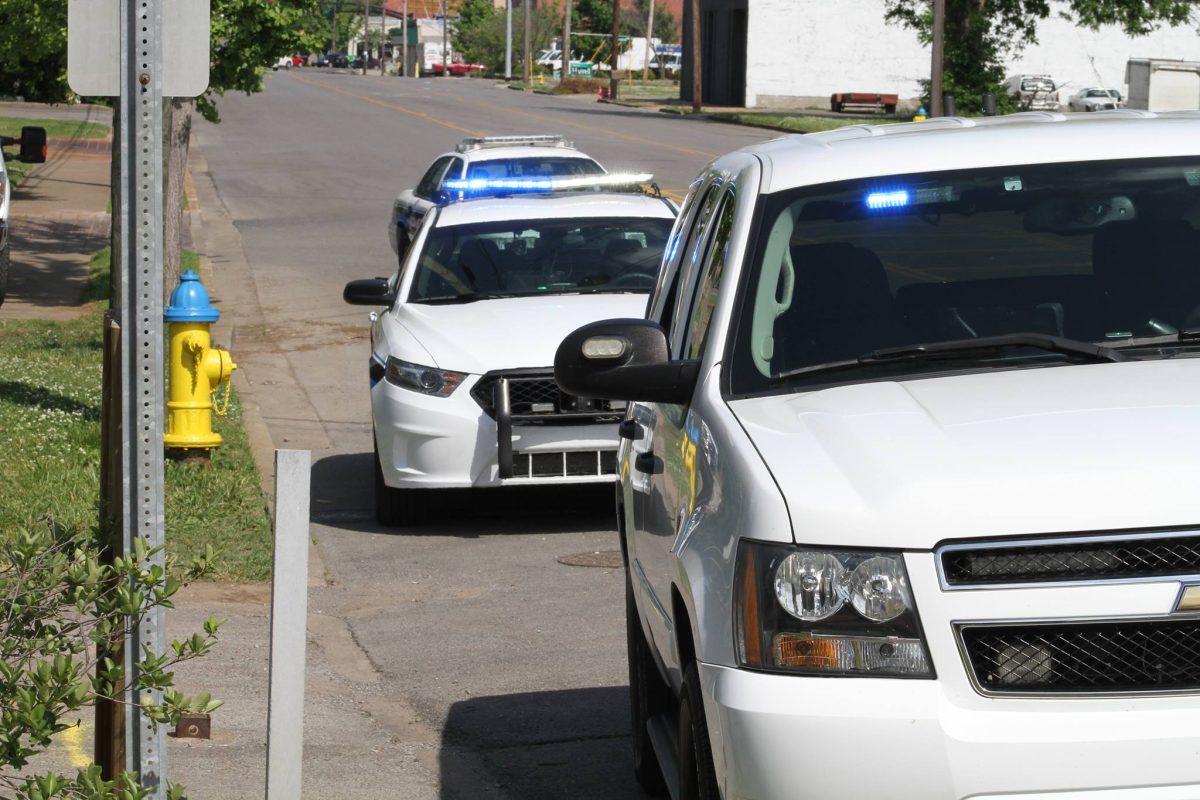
{"type": "Point", "coordinates": [189, 301]}
{"type": "Point", "coordinates": [921, 111]}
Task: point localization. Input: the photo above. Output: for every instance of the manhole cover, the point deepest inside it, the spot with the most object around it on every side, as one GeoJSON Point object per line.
{"type": "Point", "coordinates": [609, 559]}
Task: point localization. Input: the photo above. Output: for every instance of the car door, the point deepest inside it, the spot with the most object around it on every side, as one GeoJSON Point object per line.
{"type": "Point", "coordinates": [656, 459]}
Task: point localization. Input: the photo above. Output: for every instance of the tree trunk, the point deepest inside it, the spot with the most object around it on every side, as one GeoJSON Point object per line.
{"type": "Point", "coordinates": [178, 127]}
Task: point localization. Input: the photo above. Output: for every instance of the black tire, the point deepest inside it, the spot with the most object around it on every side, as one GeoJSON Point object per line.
{"type": "Point", "coordinates": [395, 508]}
{"type": "Point", "coordinates": [649, 696]}
{"type": "Point", "coordinates": [4, 253]}
{"type": "Point", "coordinates": [697, 775]}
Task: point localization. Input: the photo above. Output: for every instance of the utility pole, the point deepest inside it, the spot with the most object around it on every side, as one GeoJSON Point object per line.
{"type": "Point", "coordinates": [404, 44]}
{"type": "Point", "coordinates": [526, 55]}
{"type": "Point", "coordinates": [566, 47]}
{"type": "Point", "coordinates": [697, 48]}
{"type": "Point", "coordinates": [649, 46]}
{"type": "Point", "coordinates": [445, 41]}
{"type": "Point", "coordinates": [508, 39]}
{"type": "Point", "coordinates": [384, 41]}
{"type": "Point", "coordinates": [366, 48]}
{"type": "Point", "coordinates": [616, 49]}
{"type": "Point", "coordinates": [937, 69]}
{"type": "Point", "coordinates": [333, 34]}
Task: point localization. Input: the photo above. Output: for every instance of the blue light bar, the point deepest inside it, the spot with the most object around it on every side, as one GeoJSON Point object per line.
{"type": "Point", "coordinates": [473, 185]}
{"type": "Point", "coordinates": [880, 200]}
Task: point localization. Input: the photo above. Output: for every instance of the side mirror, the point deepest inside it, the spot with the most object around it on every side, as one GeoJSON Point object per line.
{"type": "Point", "coordinates": [624, 359]}
{"type": "Point", "coordinates": [32, 143]}
{"type": "Point", "coordinates": [369, 292]}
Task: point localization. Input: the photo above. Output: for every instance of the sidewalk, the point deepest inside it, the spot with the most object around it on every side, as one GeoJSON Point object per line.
{"type": "Point", "coordinates": [59, 218]}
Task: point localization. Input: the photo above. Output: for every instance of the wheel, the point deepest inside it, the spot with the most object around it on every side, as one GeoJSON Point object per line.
{"type": "Point", "coordinates": [4, 273]}
{"type": "Point", "coordinates": [648, 697]}
{"type": "Point", "coordinates": [697, 776]}
{"type": "Point", "coordinates": [398, 507]}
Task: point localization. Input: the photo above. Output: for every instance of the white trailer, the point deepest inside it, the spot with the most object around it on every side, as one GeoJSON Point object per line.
{"type": "Point", "coordinates": [1159, 84]}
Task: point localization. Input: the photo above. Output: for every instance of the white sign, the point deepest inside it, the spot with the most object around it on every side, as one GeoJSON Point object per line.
{"type": "Point", "coordinates": [94, 47]}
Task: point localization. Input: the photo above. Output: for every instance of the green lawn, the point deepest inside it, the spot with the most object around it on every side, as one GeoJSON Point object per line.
{"type": "Point", "coordinates": [799, 123]}
{"type": "Point", "coordinates": [49, 464]}
{"type": "Point", "coordinates": [55, 128]}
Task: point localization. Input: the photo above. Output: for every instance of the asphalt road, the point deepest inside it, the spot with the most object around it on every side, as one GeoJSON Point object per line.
{"type": "Point", "coordinates": [503, 666]}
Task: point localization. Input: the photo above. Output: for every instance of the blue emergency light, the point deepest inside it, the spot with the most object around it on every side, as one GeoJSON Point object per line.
{"type": "Point", "coordinates": [504, 185]}
{"type": "Point", "coordinates": [881, 200]}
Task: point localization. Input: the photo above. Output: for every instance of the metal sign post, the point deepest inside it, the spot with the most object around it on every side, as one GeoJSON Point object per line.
{"type": "Point", "coordinates": [115, 48]}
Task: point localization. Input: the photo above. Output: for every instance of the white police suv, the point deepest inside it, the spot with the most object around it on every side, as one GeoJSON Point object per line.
{"type": "Point", "coordinates": [482, 160]}
{"type": "Point", "coordinates": [909, 493]}
{"type": "Point", "coordinates": [462, 387]}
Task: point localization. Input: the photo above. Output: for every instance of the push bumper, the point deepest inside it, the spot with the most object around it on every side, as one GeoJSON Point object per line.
{"type": "Point", "coordinates": [447, 442]}
{"type": "Point", "coordinates": [782, 736]}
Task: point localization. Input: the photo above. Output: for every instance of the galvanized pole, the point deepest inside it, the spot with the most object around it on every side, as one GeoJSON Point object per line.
{"type": "Point", "coordinates": [508, 39]}
{"type": "Point", "coordinates": [139, 300]}
{"type": "Point", "coordinates": [937, 68]}
{"type": "Point", "coordinates": [649, 46]}
{"type": "Point", "coordinates": [404, 46]}
{"type": "Point", "coordinates": [366, 47]}
{"type": "Point", "coordinates": [697, 49]}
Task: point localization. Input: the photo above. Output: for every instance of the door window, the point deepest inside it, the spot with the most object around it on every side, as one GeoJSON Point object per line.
{"type": "Point", "coordinates": [432, 177]}
{"type": "Point", "coordinates": [705, 298]}
{"type": "Point", "coordinates": [455, 170]}
{"type": "Point", "coordinates": [690, 267]}
{"type": "Point", "coordinates": [661, 300]}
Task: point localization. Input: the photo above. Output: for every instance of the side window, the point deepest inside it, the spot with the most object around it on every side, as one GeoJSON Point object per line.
{"type": "Point", "coordinates": [661, 299]}
{"type": "Point", "coordinates": [432, 177]}
{"type": "Point", "coordinates": [455, 170]}
{"type": "Point", "coordinates": [705, 298]}
{"type": "Point", "coordinates": [689, 268]}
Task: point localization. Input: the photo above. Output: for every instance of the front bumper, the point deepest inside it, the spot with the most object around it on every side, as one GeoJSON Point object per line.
{"type": "Point", "coordinates": [782, 736]}
{"type": "Point", "coordinates": [448, 442]}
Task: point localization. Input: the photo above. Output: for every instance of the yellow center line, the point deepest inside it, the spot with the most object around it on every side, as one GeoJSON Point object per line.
{"type": "Point", "coordinates": [529, 114]}
{"type": "Point", "coordinates": [393, 106]}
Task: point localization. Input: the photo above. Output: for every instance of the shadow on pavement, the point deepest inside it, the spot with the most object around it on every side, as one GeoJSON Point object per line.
{"type": "Point", "coordinates": [572, 743]}
{"type": "Point", "coordinates": [343, 493]}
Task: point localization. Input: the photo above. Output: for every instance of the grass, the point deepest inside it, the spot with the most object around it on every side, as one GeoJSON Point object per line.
{"type": "Point", "coordinates": [50, 461]}
{"type": "Point", "coordinates": [55, 128]}
{"type": "Point", "coordinates": [798, 123]}
{"type": "Point", "coordinates": [636, 87]}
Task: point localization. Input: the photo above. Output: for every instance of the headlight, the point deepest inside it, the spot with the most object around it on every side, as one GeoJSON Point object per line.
{"type": "Point", "coordinates": [426, 380]}
{"type": "Point", "coordinates": [827, 612]}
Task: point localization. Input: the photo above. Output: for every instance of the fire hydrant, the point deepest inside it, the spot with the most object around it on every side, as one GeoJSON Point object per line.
{"type": "Point", "coordinates": [197, 370]}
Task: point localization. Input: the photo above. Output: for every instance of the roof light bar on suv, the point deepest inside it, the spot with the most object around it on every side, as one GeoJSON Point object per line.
{"type": "Point", "coordinates": [616, 180]}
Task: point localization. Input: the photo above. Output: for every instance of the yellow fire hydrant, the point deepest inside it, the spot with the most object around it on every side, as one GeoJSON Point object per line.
{"type": "Point", "coordinates": [197, 370]}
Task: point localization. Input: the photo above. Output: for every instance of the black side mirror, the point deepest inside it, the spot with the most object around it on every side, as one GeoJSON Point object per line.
{"type": "Point", "coordinates": [369, 292]}
{"type": "Point", "coordinates": [624, 359]}
{"type": "Point", "coordinates": [32, 143]}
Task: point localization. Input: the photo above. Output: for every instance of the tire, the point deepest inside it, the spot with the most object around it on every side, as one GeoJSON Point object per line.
{"type": "Point", "coordinates": [697, 775]}
{"type": "Point", "coordinates": [395, 508]}
{"type": "Point", "coordinates": [4, 258]}
{"type": "Point", "coordinates": [649, 696]}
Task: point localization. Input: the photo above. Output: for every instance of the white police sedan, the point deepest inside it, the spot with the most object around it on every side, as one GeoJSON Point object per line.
{"type": "Point", "coordinates": [462, 384]}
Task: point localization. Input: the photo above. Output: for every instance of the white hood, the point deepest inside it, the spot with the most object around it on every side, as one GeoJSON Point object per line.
{"type": "Point", "coordinates": [509, 333]}
{"type": "Point", "coordinates": [1070, 449]}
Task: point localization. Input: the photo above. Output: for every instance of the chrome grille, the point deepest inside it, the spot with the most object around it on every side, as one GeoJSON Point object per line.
{"type": "Point", "coordinates": [535, 398]}
{"type": "Point", "coordinates": [1100, 558]}
{"type": "Point", "coordinates": [1125, 656]}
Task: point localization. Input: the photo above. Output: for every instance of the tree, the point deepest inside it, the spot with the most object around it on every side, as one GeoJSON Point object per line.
{"type": "Point", "coordinates": [33, 50]}
{"type": "Point", "coordinates": [482, 40]}
{"type": "Point", "coordinates": [633, 21]}
{"type": "Point", "coordinates": [982, 34]}
{"type": "Point", "coordinates": [474, 16]}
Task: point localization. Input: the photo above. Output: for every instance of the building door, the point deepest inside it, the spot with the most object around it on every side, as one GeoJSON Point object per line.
{"type": "Point", "coordinates": [724, 60]}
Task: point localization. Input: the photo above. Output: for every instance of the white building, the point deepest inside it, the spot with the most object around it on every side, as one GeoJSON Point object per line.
{"type": "Point", "coordinates": [763, 53]}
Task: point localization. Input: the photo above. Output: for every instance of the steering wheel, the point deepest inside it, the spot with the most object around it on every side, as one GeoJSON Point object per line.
{"type": "Point", "coordinates": [632, 277]}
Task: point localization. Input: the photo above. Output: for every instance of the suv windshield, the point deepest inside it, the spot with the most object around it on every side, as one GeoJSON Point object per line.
{"type": "Point", "coordinates": [538, 167]}
{"type": "Point", "coordinates": [461, 263]}
{"type": "Point", "coordinates": [1100, 252]}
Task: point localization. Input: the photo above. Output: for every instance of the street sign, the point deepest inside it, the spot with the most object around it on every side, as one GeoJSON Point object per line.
{"type": "Point", "coordinates": [94, 47]}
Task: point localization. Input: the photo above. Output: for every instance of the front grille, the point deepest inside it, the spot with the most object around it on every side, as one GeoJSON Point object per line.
{"type": "Point", "coordinates": [573, 464]}
{"type": "Point", "coordinates": [1085, 657]}
{"type": "Point", "coordinates": [1138, 556]}
{"type": "Point", "coordinates": [534, 398]}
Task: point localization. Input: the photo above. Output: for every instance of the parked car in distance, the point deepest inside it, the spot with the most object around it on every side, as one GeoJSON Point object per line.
{"type": "Point", "coordinates": [907, 488]}
{"type": "Point", "coordinates": [462, 388]}
{"type": "Point", "coordinates": [667, 64]}
{"type": "Point", "coordinates": [32, 144]}
{"type": "Point", "coordinates": [1096, 99]}
{"type": "Point", "coordinates": [1034, 92]}
{"type": "Point", "coordinates": [336, 60]}
{"type": "Point", "coordinates": [284, 62]}
{"type": "Point", "coordinates": [484, 158]}
{"type": "Point", "coordinates": [298, 61]}
{"type": "Point", "coordinates": [457, 68]}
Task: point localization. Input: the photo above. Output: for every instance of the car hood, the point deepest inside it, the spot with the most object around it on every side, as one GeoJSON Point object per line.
{"type": "Point", "coordinates": [509, 333]}
{"type": "Point", "coordinates": [1035, 451]}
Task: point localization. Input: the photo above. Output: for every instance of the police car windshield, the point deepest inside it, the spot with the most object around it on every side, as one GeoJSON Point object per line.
{"type": "Point", "coordinates": [537, 167]}
{"type": "Point", "coordinates": [1098, 252]}
{"type": "Point", "coordinates": [462, 263]}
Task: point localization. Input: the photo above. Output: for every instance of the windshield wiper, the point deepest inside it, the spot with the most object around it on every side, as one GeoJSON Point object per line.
{"type": "Point", "coordinates": [1189, 337]}
{"type": "Point", "coordinates": [956, 348]}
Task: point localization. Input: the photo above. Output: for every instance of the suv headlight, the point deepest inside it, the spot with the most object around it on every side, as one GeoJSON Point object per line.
{"type": "Point", "coordinates": [426, 380]}
{"type": "Point", "coordinates": [827, 612]}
